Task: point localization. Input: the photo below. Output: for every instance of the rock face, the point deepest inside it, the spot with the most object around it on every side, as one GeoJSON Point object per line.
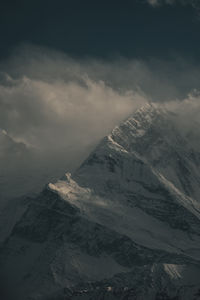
{"type": "Point", "coordinates": [125, 225]}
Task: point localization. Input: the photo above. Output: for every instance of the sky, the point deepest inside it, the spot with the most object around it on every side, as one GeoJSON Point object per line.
{"type": "Point", "coordinates": [72, 70]}
{"type": "Point", "coordinates": [130, 28]}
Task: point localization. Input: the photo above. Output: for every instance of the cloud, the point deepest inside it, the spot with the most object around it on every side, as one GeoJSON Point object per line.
{"type": "Point", "coordinates": [154, 2]}
{"type": "Point", "coordinates": [49, 100]}
{"type": "Point", "coordinates": [194, 3]}
{"type": "Point", "coordinates": [60, 107]}
{"type": "Point", "coordinates": [58, 113]}
{"type": "Point", "coordinates": [187, 116]}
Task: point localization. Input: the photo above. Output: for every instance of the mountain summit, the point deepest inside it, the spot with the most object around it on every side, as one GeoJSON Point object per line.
{"type": "Point", "coordinates": [125, 225]}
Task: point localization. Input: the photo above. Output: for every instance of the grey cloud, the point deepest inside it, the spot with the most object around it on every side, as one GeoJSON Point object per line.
{"type": "Point", "coordinates": [160, 80]}
{"type": "Point", "coordinates": [48, 99]}
{"type": "Point", "coordinates": [188, 116]}
{"type": "Point", "coordinates": [60, 107]}
{"type": "Point", "coordinates": [49, 114]}
{"type": "Point", "coordinates": [55, 107]}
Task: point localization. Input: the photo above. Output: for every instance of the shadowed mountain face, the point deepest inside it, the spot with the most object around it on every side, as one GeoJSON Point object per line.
{"type": "Point", "coordinates": [125, 225]}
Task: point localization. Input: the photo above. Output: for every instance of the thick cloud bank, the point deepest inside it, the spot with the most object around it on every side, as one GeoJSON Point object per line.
{"type": "Point", "coordinates": [55, 109]}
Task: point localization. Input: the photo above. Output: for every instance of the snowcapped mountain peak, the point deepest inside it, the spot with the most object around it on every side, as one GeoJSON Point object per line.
{"type": "Point", "coordinates": [148, 112]}
{"type": "Point", "coordinates": [150, 115]}
{"type": "Point", "coordinates": [149, 109]}
{"type": "Point", "coordinates": [129, 216]}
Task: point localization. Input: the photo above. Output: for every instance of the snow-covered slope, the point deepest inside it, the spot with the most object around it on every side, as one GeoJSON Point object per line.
{"type": "Point", "coordinates": [125, 225]}
{"type": "Point", "coordinates": [152, 132]}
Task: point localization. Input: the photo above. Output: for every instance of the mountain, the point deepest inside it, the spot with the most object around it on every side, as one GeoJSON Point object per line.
{"type": "Point", "coordinates": [23, 171]}
{"type": "Point", "coordinates": [124, 225]}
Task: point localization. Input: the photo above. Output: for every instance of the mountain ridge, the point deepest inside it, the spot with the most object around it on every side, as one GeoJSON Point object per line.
{"type": "Point", "coordinates": [117, 221]}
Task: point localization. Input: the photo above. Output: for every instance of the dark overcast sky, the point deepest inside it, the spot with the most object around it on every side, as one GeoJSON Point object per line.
{"type": "Point", "coordinates": [101, 28]}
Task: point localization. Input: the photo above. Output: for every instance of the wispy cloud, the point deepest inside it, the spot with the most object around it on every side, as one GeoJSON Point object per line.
{"type": "Point", "coordinates": [63, 107]}
{"type": "Point", "coordinates": [194, 3]}
{"type": "Point", "coordinates": [51, 101]}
